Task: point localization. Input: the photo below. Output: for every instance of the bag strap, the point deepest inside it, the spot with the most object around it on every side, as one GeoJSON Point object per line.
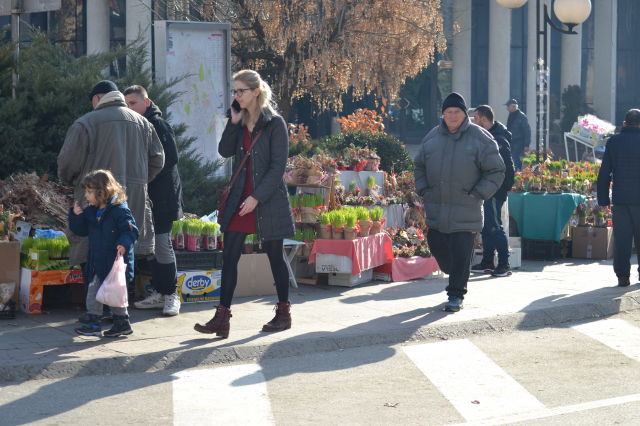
{"type": "Point", "coordinates": [235, 176]}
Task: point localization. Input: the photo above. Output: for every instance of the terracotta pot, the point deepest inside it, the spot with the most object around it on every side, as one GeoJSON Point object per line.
{"type": "Point", "coordinates": [350, 233]}
{"type": "Point", "coordinates": [324, 232]}
{"type": "Point", "coordinates": [375, 227]}
{"type": "Point", "coordinates": [365, 225]}
{"type": "Point", "coordinates": [337, 235]}
{"type": "Point", "coordinates": [247, 249]}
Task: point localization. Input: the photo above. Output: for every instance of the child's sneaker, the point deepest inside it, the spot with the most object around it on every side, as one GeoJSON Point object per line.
{"type": "Point", "coordinates": [503, 270]}
{"type": "Point", "coordinates": [91, 327]}
{"type": "Point", "coordinates": [483, 268]}
{"type": "Point", "coordinates": [171, 305]}
{"type": "Point", "coordinates": [153, 301]}
{"type": "Point", "coordinates": [121, 326]}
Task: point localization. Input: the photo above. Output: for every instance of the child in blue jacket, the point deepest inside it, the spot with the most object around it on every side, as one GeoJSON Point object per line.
{"type": "Point", "coordinates": [111, 229]}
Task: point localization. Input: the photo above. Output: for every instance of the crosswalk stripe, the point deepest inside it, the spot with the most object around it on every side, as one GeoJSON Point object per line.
{"type": "Point", "coordinates": [233, 395]}
{"type": "Point", "coordinates": [476, 386]}
{"type": "Point", "coordinates": [615, 333]}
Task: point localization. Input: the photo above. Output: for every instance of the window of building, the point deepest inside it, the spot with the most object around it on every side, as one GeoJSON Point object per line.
{"type": "Point", "coordinates": [519, 42]}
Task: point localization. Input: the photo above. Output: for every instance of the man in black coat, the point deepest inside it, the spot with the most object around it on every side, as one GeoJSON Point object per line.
{"type": "Point", "coordinates": [493, 236]}
{"type": "Point", "coordinates": [518, 125]}
{"type": "Point", "coordinates": [165, 192]}
{"type": "Point", "coordinates": [622, 159]}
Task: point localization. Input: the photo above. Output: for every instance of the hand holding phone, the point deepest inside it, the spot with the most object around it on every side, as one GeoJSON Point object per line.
{"type": "Point", "coordinates": [236, 112]}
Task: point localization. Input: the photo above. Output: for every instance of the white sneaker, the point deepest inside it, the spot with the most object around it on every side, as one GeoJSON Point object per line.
{"type": "Point", "coordinates": [171, 305]}
{"type": "Point", "coordinates": [154, 301]}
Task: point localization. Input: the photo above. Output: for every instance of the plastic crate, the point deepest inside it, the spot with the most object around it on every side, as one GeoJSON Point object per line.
{"type": "Point", "coordinates": [198, 260]}
{"type": "Point", "coordinates": [541, 250]}
{"type": "Point", "coordinates": [9, 313]}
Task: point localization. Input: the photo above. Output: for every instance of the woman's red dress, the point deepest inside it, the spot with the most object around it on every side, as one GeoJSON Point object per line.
{"type": "Point", "coordinates": [246, 223]}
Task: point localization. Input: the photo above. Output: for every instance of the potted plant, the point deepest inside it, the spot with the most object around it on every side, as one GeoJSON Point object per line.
{"type": "Point", "coordinates": [373, 189]}
{"type": "Point", "coordinates": [351, 223]}
{"type": "Point", "coordinates": [296, 203]}
{"type": "Point", "coordinates": [352, 187]}
{"type": "Point", "coordinates": [209, 238]}
{"type": "Point", "coordinates": [311, 205]}
{"type": "Point", "coordinates": [249, 242]}
{"type": "Point", "coordinates": [600, 219]}
{"type": "Point", "coordinates": [582, 219]}
{"type": "Point", "coordinates": [337, 225]}
{"type": "Point", "coordinates": [376, 216]}
{"type": "Point", "coordinates": [194, 234]}
{"type": "Point", "coordinates": [308, 237]}
{"type": "Point", "coordinates": [177, 235]}
{"type": "Point", "coordinates": [364, 221]}
{"type": "Point", "coordinates": [324, 226]}
{"type": "Point", "coordinates": [537, 184]}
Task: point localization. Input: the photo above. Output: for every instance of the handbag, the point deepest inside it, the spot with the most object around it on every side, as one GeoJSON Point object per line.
{"type": "Point", "coordinates": [226, 191]}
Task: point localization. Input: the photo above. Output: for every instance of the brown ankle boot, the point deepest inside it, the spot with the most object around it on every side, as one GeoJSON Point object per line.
{"type": "Point", "coordinates": [219, 324]}
{"type": "Point", "coordinates": [282, 320]}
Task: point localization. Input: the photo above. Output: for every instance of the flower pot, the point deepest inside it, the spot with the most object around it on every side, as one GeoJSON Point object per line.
{"type": "Point", "coordinates": [375, 227]}
{"type": "Point", "coordinates": [193, 243]}
{"type": "Point", "coordinates": [373, 192]}
{"type": "Point", "coordinates": [309, 214]}
{"type": "Point", "coordinates": [582, 221]}
{"type": "Point", "coordinates": [306, 249]}
{"type": "Point", "coordinates": [365, 225]}
{"type": "Point", "coordinates": [209, 243]}
{"type": "Point", "coordinates": [337, 234]}
{"type": "Point", "coordinates": [299, 250]}
{"type": "Point", "coordinates": [600, 221]}
{"type": "Point", "coordinates": [178, 242]}
{"type": "Point", "coordinates": [313, 179]}
{"type": "Point", "coordinates": [247, 249]}
{"type": "Point", "coordinates": [350, 233]}
{"type": "Point", "coordinates": [324, 231]}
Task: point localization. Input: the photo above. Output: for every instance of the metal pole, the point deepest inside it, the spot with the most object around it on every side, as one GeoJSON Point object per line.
{"type": "Point", "coordinates": [545, 94]}
{"type": "Point", "coordinates": [538, 118]}
{"type": "Point", "coordinates": [433, 120]}
{"type": "Point", "coordinates": [16, 7]}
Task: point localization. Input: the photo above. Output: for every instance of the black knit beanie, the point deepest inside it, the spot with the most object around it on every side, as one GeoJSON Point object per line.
{"type": "Point", "coordinates": [454, 100]}
{"type": "Point", "coordinates": [105, 86]}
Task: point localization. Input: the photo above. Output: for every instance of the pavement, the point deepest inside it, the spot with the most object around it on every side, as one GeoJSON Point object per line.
{"type": "Point", "coordinates": [325, 319]}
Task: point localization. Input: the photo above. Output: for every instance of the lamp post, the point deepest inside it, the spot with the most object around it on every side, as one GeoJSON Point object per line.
{"type": "Point", "coordinates": [569, 12]}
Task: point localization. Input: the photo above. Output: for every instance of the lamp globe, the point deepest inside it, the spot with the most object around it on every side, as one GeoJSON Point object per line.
{"type": "Point", "coordinates": [572, 12]}
{"type": "Point", "coordinates": [511, 4]}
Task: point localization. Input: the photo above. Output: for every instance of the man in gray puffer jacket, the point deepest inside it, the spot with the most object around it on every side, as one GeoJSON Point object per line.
{"type": "Point", "coordinates": [457, 167]}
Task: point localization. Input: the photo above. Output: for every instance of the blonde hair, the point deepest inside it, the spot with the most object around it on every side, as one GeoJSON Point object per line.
{"type": "Point", "coordinates": [265, 99]}
{"type": "Point", "coordinates": [105, 186]}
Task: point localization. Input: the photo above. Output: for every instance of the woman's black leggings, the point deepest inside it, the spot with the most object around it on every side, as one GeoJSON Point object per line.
{"type": "Point", "coordinates": [233, 242]}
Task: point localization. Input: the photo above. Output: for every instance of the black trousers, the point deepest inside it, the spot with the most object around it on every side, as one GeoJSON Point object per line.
{"type": "Point", "coordinates": [454, 253]}
{"type": "Point", "coordinates": [626, 226]}
{"type": "Point", "coordinates": [233, 242]}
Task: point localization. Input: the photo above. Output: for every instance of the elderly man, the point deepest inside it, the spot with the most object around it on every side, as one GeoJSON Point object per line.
{"type": "Point", "coordinates": [112, 137]}
{"type": "Point", "coordinates": [457, 167]}
{"type": "Point", "coordinates": [518, 125]}
{"type": "Point", "coordinates": [165, 192]}
{"type": "Point", "coordinates": [621, 159]}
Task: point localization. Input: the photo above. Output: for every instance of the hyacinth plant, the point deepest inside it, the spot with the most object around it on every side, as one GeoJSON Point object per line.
{"type": "Point", "coordinates": [376, 214]}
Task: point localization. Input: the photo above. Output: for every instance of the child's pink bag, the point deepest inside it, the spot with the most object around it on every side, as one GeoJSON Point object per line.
{"type": "Point", "coordinates": [113, 291]}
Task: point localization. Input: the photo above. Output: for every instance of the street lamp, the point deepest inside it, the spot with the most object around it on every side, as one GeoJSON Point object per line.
{"type": "Point", "coordinates": [569, 12]}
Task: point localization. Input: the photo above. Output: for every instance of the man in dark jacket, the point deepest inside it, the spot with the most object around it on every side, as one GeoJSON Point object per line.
{"type": "Point", "coordinates": [493, 236]}
{"type": "Point", "coordinates": [165, 192]}
{"type": "Point", "coordinates": [622, 159]}
{"type": "Point", "coordinates": [457, 167]}
{"type": "Point", "coordinates": [518, 125]}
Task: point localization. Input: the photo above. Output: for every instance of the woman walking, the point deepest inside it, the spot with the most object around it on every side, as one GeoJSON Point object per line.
{"type": "Point", "coordinates": [259, 201]}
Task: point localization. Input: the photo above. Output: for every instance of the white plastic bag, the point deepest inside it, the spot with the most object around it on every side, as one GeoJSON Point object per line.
{"type": "Point", "coordinates": [113, 291]}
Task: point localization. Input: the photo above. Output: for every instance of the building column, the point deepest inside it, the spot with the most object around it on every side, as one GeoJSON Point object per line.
{"type": "Point", "coordinates": [139, 19]}
{"type": "Point", "coordinates": [98, 35]}
{"type": "Point", "coordinates": [532, 67]}
{"type": "Point", "coordinates": [499, 59]}
{"type": "Point", "coordinates": [461, 50]}
{"type": "Point", "coordinates": [605, 56]}
{"type": "Point", "coordinates": [571, 63]}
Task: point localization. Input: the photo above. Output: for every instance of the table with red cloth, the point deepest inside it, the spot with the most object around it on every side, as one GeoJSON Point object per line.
{"type": "Point", "coordinates": [365, 252]}
{"type": "Point", "coordinates": [405, 269]}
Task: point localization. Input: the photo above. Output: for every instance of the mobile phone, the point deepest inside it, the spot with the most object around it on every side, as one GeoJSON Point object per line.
{"type": "Point", "coordinates": [236, 106]}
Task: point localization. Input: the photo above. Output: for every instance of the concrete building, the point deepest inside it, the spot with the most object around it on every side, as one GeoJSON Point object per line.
{"type": "Point", "coordinates": [493, 55]}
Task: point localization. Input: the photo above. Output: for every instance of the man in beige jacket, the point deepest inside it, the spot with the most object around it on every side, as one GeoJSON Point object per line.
{"type": "Point", "coordinates": [114, 138]}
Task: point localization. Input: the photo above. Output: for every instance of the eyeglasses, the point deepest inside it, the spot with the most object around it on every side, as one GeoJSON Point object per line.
{"type": "Point", "coordinates": [238, 92]}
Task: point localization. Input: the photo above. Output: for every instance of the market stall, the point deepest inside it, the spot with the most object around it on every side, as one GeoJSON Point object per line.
{"type": "Point", "coordinates": [405, 269]}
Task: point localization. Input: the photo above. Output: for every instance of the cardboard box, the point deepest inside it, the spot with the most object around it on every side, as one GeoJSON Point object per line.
{"type": "Point", "coordinates": [515, 242]}
{"type": "Point", "coordinates": [10, 265]}
{"type": "Point", "coordinates": [200, 286]}
{"type": "Point", "coordinates": [254, 276]}
{"type": "Point", "coordinates": [31, 283]}
{"type": "Point", "coordinates": [585, 133]}
{"type": "Point", "coordinates": [590, 242]}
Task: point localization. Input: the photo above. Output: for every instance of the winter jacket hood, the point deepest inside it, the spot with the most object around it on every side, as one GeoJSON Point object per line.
{"type": "Point", "coordinates": [454, 173]}
{"type": "Point", "coordinates": [165, 190]}
{"type": "Point", "coordinates": [274, 220]}
{"type": "Point", "coordinates": [503, 138]}
{"type": "Point", "coordinates": [115, 138]}
{"type": "Point", "coordinates": [621, 159]}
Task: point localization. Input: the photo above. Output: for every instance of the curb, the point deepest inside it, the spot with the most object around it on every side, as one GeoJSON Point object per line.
{"type": "Point", "coordinates": [192, 358]}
